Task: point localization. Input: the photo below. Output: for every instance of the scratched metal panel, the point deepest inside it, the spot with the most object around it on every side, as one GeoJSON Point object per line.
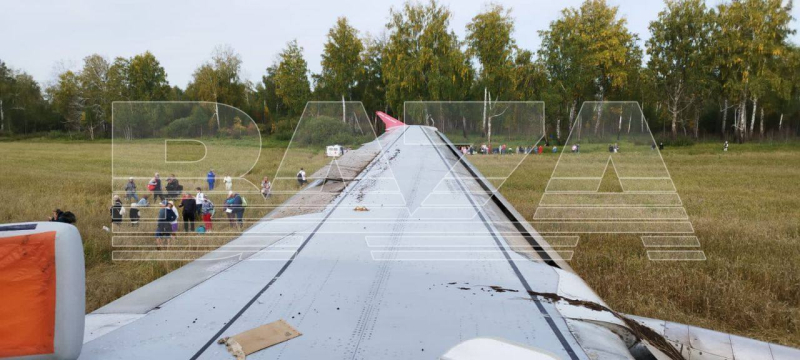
{"type": "Point", "coordinates": [708, 341]}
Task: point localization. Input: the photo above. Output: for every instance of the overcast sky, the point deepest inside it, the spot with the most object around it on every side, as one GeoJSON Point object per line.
{"type": "Point", "coordinates": [40, 36]}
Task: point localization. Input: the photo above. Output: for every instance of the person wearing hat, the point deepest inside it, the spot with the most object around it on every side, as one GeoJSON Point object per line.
{"type": "Point", "coordinates": [229, 209]}
{"type": "Point", "coordinates": [130, 190]}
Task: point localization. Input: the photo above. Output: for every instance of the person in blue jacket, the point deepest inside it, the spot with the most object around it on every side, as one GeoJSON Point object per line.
{"type": "Point", "coordinates": [211, 178]}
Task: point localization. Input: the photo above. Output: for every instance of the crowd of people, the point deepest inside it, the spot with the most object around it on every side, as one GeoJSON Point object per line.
{"type": "Point", "coordinates": [194, 209]}
{"type": "Point", "coordinates": [485, 149]}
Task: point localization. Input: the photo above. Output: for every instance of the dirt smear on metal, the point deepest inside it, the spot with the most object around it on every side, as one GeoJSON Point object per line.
{"type": "Point", "coordinates": [640, 331]}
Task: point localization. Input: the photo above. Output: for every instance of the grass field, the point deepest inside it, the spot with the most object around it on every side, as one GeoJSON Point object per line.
{"type": "Point", "coordinates": [744, 205]}
{"type": "Point", "coordinates": [745, 208]}
{"type": "Point", "coordinates": [37, 177]}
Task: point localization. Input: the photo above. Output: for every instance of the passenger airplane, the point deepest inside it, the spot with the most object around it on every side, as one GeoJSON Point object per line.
{"type": "Point", "coordinates": [382, 283]}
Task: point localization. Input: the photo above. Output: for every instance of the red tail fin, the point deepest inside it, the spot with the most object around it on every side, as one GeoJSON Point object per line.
{"type": "Point", "coordinates": [389, 121]}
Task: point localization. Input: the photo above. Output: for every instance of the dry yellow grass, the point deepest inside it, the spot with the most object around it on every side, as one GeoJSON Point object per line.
{"type": "Point", "coordinates": [745, 208]}
{"type": "Point", "coordinates": [744, 205]}
{"type": "Point", "coordinates": [37, 177]}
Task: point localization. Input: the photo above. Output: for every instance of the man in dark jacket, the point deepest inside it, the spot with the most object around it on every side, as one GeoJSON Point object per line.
{"type": "Point", "coordinates": [164, 227]}
{"type": "Point", "coordinates": [238, 209]}
{"type": "Point", "coordinates": [172, 187]}
{"type": "Point", "coordinates": [189, 206]}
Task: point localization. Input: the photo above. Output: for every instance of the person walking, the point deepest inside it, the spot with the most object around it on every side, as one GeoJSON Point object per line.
{"type": "Point", "coordinates": [211, 178]}
{"type": "Point", "coordinates": [266, 188]}
{"type": "Point", "coordinates": [301, 177]}
{"type": "Point", "coordinates": [228, 182]}
{"type": "Point", "coordinates": [189, 210]}
{"type": "Point", "coordinates": [117, 212]}
{"type": "Point", "coordinates": [130, 190]}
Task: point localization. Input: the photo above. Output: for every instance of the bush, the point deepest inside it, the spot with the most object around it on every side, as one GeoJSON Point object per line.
{"type": "Point", "coordinates": [322, 130]}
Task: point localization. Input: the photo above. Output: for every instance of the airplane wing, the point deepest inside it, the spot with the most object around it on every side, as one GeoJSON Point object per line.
{"type": "Point", "coordinates": [417, 257]}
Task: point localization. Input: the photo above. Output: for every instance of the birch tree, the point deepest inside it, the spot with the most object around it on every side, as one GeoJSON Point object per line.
{"type": "Point", "coordinates": [679, 51]}
{"type": "Point", "coordinates": [341, 62]}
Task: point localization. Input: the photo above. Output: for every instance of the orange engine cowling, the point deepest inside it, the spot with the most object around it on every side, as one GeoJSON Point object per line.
{"type": "Point", "coordinates": [42, 291]}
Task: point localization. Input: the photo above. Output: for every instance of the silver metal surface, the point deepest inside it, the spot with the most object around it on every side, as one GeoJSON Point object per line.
{"type": "Point", "coordinates": [351, 300]}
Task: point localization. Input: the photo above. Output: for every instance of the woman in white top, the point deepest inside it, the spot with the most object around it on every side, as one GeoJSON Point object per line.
{"type": "Point", "coordinates": [228, 182]}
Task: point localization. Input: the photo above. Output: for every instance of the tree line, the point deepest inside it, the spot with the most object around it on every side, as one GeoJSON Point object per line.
{"type": "Point", "coordinates": [727, 71]}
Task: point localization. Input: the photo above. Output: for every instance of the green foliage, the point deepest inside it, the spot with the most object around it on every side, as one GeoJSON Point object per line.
{"type": "Point", "coordinates": [319, 131]}
{"type": "Point", "coordinates": [705, 66]}
{"type": "Point", "coordinates": [371, 88]}
{"type": "Point", "coordinates": [341, 62]}
{"type": "Point", "coordinates": [219, 79]}
{"type": "Point", "coordinates": [490, 41]}
{"type": "Point", "coordinates": [189, 126]}
{"type": "Point", "coordinates": [589, 54]}
{"type": "Point", "coordinates": [681, 54]}
{"type": "Point", "coordinates": [22, 107]}
{"type": "Point", "coordinates": [291, 79]}
{"type": "Point", "coordinates": [146, 78]}
{"type": "Point", "coordinates": [422, 58]}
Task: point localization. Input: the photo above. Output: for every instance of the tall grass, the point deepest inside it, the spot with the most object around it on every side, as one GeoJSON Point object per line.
{"type": "Point", "coordinates": [744, 205]}
{"type": "Point", "coordinates": [37, 177]}
{"type": "Point", "coordinates": [745, 208]}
